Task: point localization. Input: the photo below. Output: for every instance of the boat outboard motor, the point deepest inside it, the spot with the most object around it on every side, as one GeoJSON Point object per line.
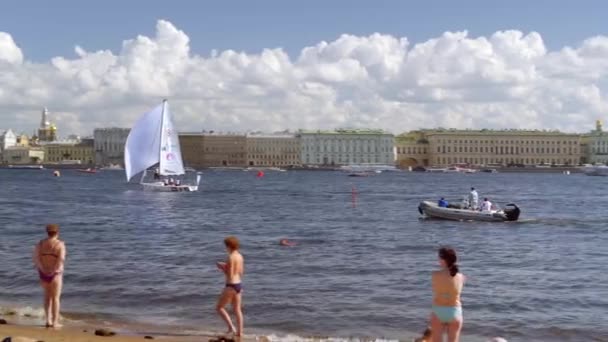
{"type": "Point", "coordinates": [511, 212]}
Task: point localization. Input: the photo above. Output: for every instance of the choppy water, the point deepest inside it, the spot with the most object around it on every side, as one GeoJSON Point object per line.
{"type": "Point", "coordinates": [364, 271]}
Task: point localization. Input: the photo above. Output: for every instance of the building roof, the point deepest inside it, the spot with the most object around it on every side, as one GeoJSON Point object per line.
{"type": "Point", "coordinates": [495, 132]}
{"type": "Point", "coordinates": [361, 131]}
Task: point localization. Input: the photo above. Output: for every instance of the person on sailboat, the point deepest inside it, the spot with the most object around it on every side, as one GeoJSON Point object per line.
{"type": "Point", "coordinates": [49, 257]}
{"type": "Point", "coordinates": [233, 270]}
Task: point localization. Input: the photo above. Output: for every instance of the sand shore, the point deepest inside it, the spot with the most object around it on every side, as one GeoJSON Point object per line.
{"type": "Point", "coordinates": [28, 333]}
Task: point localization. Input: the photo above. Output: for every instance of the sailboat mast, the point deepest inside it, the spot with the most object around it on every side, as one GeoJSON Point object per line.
{"type": "Point", "coordinates": [162, 129]}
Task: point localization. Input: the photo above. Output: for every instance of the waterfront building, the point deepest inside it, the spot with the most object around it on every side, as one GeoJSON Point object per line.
{"type": "Point", "coordinates": [277, 149]}
{"type": "Point", "coordinates": [23, 155]}
{"type": "Point", "coordinates": [47, 130]}
{"type": "Point", "coordinates": [7, 139]}
{"type": "Point", "coordinates": [347, 147]}
{"type": "Point", "coordinates": [596, 145]}
{"type": "Point", "coordinates": [412, 150]}
{"type": "Point", "coordinates": [210, 149]}
{"type": "Point", "coordinates": [74, 151]}
{"type": "Point", "coordinates": [109, 145]}
{"type": "Point", "coordinates": [502, 147]}
{"type": "Point", "coordinates": [23, 140]}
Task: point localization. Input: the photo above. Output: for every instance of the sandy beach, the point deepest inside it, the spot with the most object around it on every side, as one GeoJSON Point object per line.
{"type": "Point", "coordinates": [29, 333]}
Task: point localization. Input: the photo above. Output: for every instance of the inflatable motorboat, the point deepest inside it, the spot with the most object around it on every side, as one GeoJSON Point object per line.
{"type": "Point", "coordinates": [509, 213]}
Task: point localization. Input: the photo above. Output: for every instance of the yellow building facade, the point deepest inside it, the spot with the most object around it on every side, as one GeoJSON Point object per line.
{"type": "Point", "coordinates": [201, 150]}
{"type": "Point", "coordinates": [412, 150]}
{"type": "Point", "coordinates": [78, 152]}
{"type": "Point", "coordinates": [493, 147]}
{"type": "Point", "coordinates": [23, 155]}
{"type": "Point", "coordinates": [277, 150]}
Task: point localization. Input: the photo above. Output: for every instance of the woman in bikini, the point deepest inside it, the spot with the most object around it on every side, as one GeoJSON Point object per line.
{"type": "Point", "coordinates": [447, 283]}
{"type": "Point", "coordinates": [233, 270]}
{"type": "Point", "coordinates": [49, 257]}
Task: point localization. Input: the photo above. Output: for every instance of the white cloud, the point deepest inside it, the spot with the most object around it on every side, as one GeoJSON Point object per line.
{"type": "Point", "coordinates": [507, 80]}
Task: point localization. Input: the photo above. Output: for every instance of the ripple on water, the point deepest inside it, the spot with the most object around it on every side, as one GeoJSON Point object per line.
{"type": "Point", "coordinates": [362, 271]}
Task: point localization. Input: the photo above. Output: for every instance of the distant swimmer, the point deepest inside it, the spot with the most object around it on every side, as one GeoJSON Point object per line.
{"type": "Point", "coordinates": [447, 284]}
{"type": "Point", "coordinates": [233, 270]}
{"type": "Point", "coordinates": [287, 243]}
{"type": "Point", "coordinates": [49, 258]}
{"type": "Point", "coordinates": [56, 173]}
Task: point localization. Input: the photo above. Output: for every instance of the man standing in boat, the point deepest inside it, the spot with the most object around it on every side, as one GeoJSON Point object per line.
{"type": "Point", "coordinates": [473, 199]}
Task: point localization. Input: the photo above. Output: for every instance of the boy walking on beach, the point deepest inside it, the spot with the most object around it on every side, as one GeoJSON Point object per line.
{"type": "Point", "coordinates": [233, 270]}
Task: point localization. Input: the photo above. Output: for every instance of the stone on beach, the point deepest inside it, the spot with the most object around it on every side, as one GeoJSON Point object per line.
{"type": "Point", "coordinates": [104, 332]}
{"type": "Point", "coordinates": [19, 339]}
{"type": "Point", "coordinates": [148, 337]}
{"type": "Point", "coordinates": [3, 321]}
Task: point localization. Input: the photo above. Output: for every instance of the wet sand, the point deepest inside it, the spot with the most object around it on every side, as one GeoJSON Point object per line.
{"type": "Point", "coordinates": [28, 333]}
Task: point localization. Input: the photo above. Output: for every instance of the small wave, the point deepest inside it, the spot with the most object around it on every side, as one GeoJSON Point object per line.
{"type": "Point", "coordinates": [22, 312]}
{"type": "Point", "coordinates": [296, 338]}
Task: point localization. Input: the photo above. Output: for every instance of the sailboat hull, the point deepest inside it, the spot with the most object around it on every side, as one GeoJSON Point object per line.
{"type": "Point", "coordinates": [160, 187]}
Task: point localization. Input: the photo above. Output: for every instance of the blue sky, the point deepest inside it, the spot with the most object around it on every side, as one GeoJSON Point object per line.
{"type": "Point", "coordinates": [521, 77]}
{"type": "Point", "coordinates": [44, 29]}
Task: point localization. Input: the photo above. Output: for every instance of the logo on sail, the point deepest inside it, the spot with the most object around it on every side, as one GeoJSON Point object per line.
{"type": "Point", "coordinates": [170, 156]}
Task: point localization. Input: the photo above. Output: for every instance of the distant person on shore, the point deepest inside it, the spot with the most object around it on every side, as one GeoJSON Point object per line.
{"type": "Point", "coordinates": [486, 205]}
{"type": "Point", "coordinates": [442, 203]}
{"type": "Point", "coordinates": [447, 283]}
{"type": "Point", "coordinates": [233, 270]}
{"type": "Point", "coordinates": [49, 258]}
{"type": "Point", "coordinates": [473, 199]}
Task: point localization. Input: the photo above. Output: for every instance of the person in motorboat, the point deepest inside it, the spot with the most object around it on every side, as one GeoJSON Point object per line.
{"type": "Point", "coordinates": [473, 199]}
{"type": "Point", "coordinates": [165, 182]}
{"type": "Point", "coordinates": [442, 203]}
{"type": "Point", "coordinates": [178, 182]}
{"type": "Point", "coordinates": [486, 205]}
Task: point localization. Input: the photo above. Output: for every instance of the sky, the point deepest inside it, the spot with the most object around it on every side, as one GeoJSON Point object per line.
{"type": "Point", "coordinates": [274, 65]}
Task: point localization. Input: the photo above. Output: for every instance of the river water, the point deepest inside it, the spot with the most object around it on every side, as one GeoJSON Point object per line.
{"type": "Point", "coordinates": [361, 268]}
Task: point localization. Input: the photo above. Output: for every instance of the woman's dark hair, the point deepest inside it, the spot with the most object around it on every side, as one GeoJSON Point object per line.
{"type": "Point", "coordinates": [449, 256]}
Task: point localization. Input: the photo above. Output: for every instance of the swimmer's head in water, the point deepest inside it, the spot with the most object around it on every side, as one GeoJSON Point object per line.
{"type": "Point", "coordinates": [52, 229]}
{"type": "Point", "coordinates": [232, 243]}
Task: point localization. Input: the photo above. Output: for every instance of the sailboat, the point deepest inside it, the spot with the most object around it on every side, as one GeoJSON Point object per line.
{"type": "Point", "coordinates": [154, 141]}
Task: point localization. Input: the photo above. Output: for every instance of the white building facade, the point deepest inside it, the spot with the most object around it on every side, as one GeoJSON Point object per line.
{"type": "Point", "coordinates": [347, 147]}
{"type": "Point", "coordinates": [597, 145]}
{"type": "Point", "coordinates": [7, 139]}
{"type": "Point", "coordinates": [109, 145]}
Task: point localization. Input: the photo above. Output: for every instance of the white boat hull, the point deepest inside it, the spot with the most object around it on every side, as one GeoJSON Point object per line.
{"type": "Point", "coordinates": [431, 209]}
{"type": "Point", "coordinates": [161, 187]}
{"type": "Point", "coordinates": [596, 170]}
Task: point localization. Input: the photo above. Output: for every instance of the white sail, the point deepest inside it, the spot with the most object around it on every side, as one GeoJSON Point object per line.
{"type": "Point", "coordinates": [142, 149]}
{"type": "Point", "coordinates": [170, 153]}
